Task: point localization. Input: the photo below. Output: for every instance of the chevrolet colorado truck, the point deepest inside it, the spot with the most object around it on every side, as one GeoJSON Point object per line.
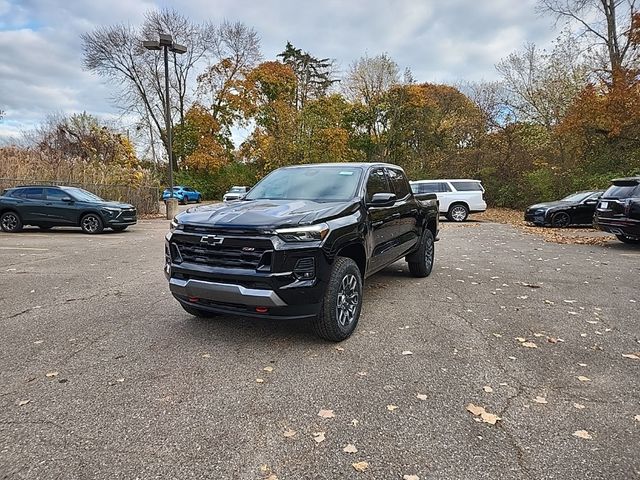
{"type": "Point", "coordinates": [300, 244]}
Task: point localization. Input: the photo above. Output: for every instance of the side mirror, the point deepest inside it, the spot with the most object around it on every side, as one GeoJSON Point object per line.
{"type": "Point", "coordinates": [67, 199]}
{"type": "Point", "coordinates": [382, 199]}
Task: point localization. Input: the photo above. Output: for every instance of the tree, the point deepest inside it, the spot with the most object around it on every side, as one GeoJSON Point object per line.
{"type": "Point", "coordinates": [313, 75]}
{"type": "Point", "coordinates": [542, 85]}
{"type": "Point", "coordinates": [604, 22]}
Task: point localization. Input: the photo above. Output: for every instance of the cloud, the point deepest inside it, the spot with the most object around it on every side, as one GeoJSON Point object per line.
{"type": "Point", "coordinates": [40, 58]}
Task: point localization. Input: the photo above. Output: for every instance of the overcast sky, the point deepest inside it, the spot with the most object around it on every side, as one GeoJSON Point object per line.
{"type": "Point", "coordinates": [440, 41]}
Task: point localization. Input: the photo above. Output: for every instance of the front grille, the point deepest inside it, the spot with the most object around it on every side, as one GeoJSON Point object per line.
{"type": "Point", "coordinates": [229, 254]}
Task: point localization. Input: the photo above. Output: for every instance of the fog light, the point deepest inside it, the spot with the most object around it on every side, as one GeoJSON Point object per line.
{"type": "Point", "coordinates": [305, 268]}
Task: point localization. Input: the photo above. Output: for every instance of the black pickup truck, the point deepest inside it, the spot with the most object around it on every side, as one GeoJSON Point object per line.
{"type": "Point", "coordinates": [300, 244]}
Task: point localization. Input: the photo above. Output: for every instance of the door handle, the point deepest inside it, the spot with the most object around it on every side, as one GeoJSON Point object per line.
{"type": "Point", "coordinates": [395, 215]}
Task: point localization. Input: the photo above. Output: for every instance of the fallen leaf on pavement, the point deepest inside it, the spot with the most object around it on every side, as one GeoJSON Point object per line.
{"type": "Point", "coordinates": [631, 355]}
{"type": "Point", "coordinates": [23, 402]}
{"type": "Point", "coordinates": [487, 389]}
{"type": "Point", "coordinates": [259, 380]}
{"type": "Point", "coordinates": [272, 477]}
{"type": "Point", "coordinates": [391, 408]}
{"type": "Point", "coordinates": [421, 396]}
{"type": "Point", "coordinates": [268, 369]}
{"type": "Point", "coordinates": [486, 416]}
{"type": "Point", "coordinates": [326, 413]}
{"type": "Point", "coordinates": [318, 437]}
{"type": "Point", "coordinates": [360, 466]}
{"type": "Point", "coordinates": [340, 349]}
{"type": "Point", "coordinates": [637, 417]}
{"type": "Point", "coordinates": [52, 374]}
{"type": "Point", "coordinates": [579, 406]}
{"type": "Point", "coordinates": [38, 342]}
{"type": "Point", "coordinates": [354, 422]}
{"type": "Point", "coordinates": [540, 400]}
{"type": "Point", "coordinates": [521, 339]}
{"type": "Point", "coordinates": [407, 352]}
{"type": "Point", "coordinates": [362, 374]}
{"type": "Point", "coordinates": [349, 448]}
{"type": "Point", "coordinates": [289, 433]}
{"type": "Point", "coordinates": [582, 434]}
{"type": "Point", "coordinates": [529, 345]}
{"type": "Point", "coordinates": [497, 335]}
{"type": "Point", "coordinates": [584, 379]}
{"type": "Point", "coordinates": [411, 477]}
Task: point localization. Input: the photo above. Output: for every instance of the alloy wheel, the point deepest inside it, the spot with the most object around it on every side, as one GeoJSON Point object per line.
{"type": "Point", "coordinates": [458, 213]}
{"type": "Point", "coordinates": [9, 222]}
{"type": "Point", "coordinates": [90, 224]}
{"type": "Point", "coordinates": [561, 220]}
{"type": "Point", "coordinates": [348, 300]}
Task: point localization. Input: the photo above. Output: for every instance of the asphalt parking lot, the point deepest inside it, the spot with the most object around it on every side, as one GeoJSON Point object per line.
{"type": "Point", "coordinates": [104, 376]}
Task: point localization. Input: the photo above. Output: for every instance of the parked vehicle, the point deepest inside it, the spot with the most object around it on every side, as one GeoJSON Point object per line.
{"type": "Point", "coordinates": [235, 193]}
{"type": "Point", "coordinates": [458, 198]}
{"type": "Point", "coordinates": [575, 209]}
{"type": "Point", "coordinates": [618, 211]}
{"type": "Point", "coordinates": [300, 244]}
{"type": "Point", "coordinates": [48, 206]}
{"type": "Point", "coordinates": [183, 194]}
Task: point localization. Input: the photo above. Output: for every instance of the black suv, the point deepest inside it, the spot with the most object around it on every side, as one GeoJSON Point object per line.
{"type": "Point", "coordinates": [300, 244]}
{"type": "Point", "coordinates": [618, 211]}
{"type": "Point", "coordinates": [53, 206]}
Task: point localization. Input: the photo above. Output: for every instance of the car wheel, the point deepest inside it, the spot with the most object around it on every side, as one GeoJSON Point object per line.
{"type": "Point", "coordinates": [629, 240]}
{"type": "Point", "coordinates": [184, 200]}
{"type": "Point", "coordinates": [560, 220]}
{"type": "Point", "coordinates": [10, 222]}
{"type": "Point", "coordinates": [342, 302]}
{"type": "Point", "coordinates": [91, 223]}
{"type": "Point", "coordinates": [197, 312]}
{"type": "Point", "coordinates": [458, 213]}
{"type": "Point", "coordinates": [119, 229]}
{"type": "Point", "coordinates": [199, 199]}
{"type": "Point", "coordinates": [421, 262]}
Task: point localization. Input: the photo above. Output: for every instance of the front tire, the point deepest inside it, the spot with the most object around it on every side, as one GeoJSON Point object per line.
{"type": "Point", "coordinates": [91, 223]}
{"type": "Point", "coordinates": [184, 200]}
{"type": "Point", "coordinates": [560, 220]}
{"type": "Point", "coordinates": [629, 240]}
{"type": "Point", "coordinates": [421, 262]}
{"type": "Point", "coordinates": [197, 312]}
{"type": "Point", "coordinates": [199, 199]}
{"type": "Point", "coordinates": [10, 222]}
{"type": "Point", "coordinates": [458, 212]}
{"type": "Point", "coordinates": [342, 302]}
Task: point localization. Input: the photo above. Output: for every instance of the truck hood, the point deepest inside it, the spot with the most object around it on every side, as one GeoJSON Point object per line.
{"type": "Point", "coordinates": [267, 213]}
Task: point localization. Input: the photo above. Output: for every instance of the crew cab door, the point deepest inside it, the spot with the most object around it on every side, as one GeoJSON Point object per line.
{"type": "Point", "coordinates": [380, 239]}
{"type": "Point", "coordinates": [405, 214]}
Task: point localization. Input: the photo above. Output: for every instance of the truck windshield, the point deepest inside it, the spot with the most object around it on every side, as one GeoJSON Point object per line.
{"type": "Point", "coordinates": [321, 184]}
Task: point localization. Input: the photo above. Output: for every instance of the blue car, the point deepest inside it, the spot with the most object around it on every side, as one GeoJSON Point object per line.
{"type": "Point", "coordinates": [183, 194]}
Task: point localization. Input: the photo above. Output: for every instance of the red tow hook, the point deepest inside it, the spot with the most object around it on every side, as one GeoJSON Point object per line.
{"type": "Point", "coordinates": [262, 309]}
{"type": "Point", "coordinates": [193, 299]}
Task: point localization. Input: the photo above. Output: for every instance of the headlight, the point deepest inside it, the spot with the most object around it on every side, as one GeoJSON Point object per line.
{"type": "Point", "coordinates": [174, 224]}
{"type": "Point", "coordinates": [111, 210]}
{"type": "Point", "coordinates": [312, 233]}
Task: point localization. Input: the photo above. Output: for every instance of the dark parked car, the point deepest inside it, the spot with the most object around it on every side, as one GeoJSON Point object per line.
{"type": "Point", "coordinates": [300, 244]}
{"type": "Point", "coordinates": [576, 209]}
{"type": "Point", "coordinates": [618, 211]}
{"type": "Point", "coordinates": [54, 206]}
{"type": "Point", "coordinates": [183, 194]}
{"type": "Point", "coordinates": [235, 193]}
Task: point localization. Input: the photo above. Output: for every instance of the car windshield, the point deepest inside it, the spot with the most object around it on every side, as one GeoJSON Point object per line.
{"type": "Point", "coordinates": [576, 197]}
{"type": "Point", "coordinates": [320, 184]}
{"type": "Point", "coordinates": [237, 190]}
{"type": "Point", "coordinates": [82, 195]}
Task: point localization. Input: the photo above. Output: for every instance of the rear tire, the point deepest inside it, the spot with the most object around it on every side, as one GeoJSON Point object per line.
{"type": "Point", "coordinates": [91, 223]}
{"type": "Point", "coordinates": [629, 240]}
{"type": "Point", "coordinates": [184, 200]}
{"type": "Point", "coordinates": [421, 262]}
{"type": "Point", "coordinates": [342, 302]}
{"type": "Point", "coordinates": [10, 222]}
{"type": "Point", "coordinates": [458, 212]}
{"type": "Point", "coordinates": [197, 312]}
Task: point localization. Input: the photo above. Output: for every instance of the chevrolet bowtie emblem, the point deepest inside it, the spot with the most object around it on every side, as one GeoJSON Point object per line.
{"type": "Point", "coordinates": [212, 239]}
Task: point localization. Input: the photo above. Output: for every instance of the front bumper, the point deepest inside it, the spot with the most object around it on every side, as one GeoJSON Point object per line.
{"type": "Point", "coordinates": [535, 218]}
{"type": "Point", "coordinates": [225, 293]}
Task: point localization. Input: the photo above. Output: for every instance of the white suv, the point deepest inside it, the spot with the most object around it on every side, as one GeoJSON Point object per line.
{"type": "Point", "coordinates": [458, 198]}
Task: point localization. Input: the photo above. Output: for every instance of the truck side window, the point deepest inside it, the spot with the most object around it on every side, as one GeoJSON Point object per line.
{"type": "Point", "coordinates": [399, 182]}
{"type": "Point", "coordinates": [377, 183]}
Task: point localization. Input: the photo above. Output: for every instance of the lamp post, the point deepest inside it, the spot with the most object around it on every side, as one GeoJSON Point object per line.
{"type": "Point", "coordinates": [166, 43]}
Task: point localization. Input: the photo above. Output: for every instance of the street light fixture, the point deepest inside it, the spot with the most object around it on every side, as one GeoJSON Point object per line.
{"type": "Point", "coordinates": [166, 43]}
